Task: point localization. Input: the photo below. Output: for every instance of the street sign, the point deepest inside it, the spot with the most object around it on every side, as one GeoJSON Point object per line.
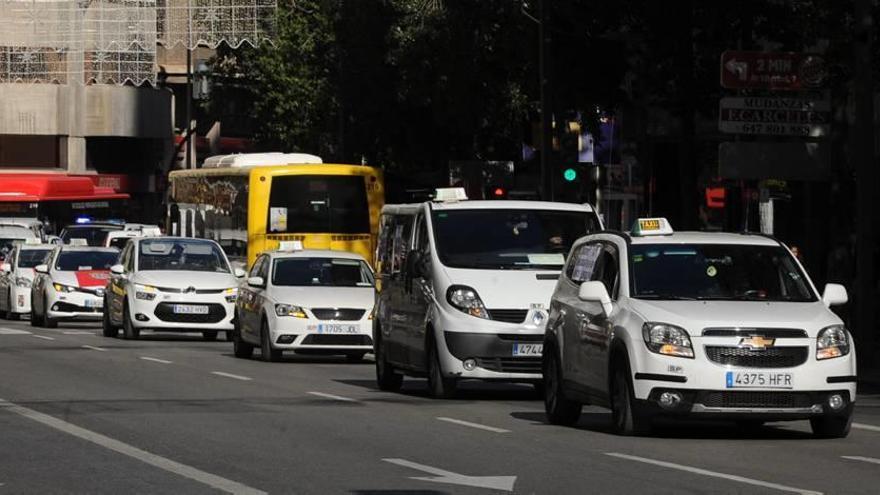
{"type": "Point", "coordinates": [769, 116]}
{"type": "Point", "coordinates": [772, 70]}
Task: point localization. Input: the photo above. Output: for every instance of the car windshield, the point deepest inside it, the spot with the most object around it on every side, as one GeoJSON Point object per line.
{"type": "Point", "coordinates": [187, 255]}
{"type": "Point", "coordinates": [321, 272]}
{"type": "Point", "coordinates": [94, 235]}
{"type": "Point", "coordinates": [86, 260]}
{"type": "Point", "coordinates": [724, 272]}
{"type": "Point", "coordinates": [29, 258]}
{"type": "Point", "coordinates": [508, 238]}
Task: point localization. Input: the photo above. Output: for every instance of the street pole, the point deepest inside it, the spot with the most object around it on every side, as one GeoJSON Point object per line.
{"type": "Point", "coordinates": [189, 88]}
{"type": "Point", "coordinates": [544, 75]}
{"type": "Point", "coordinates": [866, 183]}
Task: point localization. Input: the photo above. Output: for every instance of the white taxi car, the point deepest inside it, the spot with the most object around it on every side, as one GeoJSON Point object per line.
{"type": "Point", "coordinates": [70, 285]}
{"type": "Point", "coordinates": [691, 324]}
{"type": "Point", "coordinates": [18, 275]}
{"type": "Point", "coordinates": [308, 301]}
{"type": "Point", "coordinates": [171, 284]}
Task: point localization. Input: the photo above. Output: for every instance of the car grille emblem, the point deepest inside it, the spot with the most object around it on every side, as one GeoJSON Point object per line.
{"type": "Point", "coordinates": [189, 289]}
{"type": "Point", "coordinates": [756, 342]}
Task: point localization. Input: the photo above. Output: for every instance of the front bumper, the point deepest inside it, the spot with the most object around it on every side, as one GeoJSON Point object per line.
{"type": "Point", "coordinates": [493, 353]}
{"type": "Point", "coordinates": [318, 336]}
{"type": "Point", "coordinates": [162, 312]}
{"type": "Point", "coordinates": [75, 306]}
{"type": "Point", "coordinates": [741, 404]}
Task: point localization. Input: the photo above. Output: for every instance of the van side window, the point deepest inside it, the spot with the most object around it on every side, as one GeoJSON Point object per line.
{"type": "Point", "coordinates": [400, 243]}
{"type": "Point", "coordinates": [422, 235]}
{"type": "Point", "coordinates": [383, 251]}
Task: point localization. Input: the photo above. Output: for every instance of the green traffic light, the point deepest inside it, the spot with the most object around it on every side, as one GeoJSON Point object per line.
{"type": "Point", "coordinates": [570, 174]}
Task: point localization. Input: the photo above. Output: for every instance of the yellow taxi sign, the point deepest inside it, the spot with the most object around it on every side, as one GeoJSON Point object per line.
{"type": "Point", "coordinates": [651, 226]}
{"type": "Point", "coordinates": [290, 246]}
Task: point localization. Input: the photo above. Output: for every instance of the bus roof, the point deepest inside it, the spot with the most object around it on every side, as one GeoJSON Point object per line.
{"type": "Point", "coordinates": [259, 160]}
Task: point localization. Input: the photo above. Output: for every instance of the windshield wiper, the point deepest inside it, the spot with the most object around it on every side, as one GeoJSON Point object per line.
{"type": "Point", "coordinates": [665, 297]}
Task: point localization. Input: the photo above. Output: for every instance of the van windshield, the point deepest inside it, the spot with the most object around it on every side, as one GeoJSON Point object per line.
{"type": "Point", "coordinates": [510, 239]}
{"type": "Point", "coordinates": [717, 272]}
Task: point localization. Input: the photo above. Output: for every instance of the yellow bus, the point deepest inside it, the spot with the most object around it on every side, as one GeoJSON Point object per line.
{"type": "Point", "coordinates": [249, 203]}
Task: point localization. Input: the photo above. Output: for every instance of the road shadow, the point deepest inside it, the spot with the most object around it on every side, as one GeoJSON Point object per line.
{"type": "Point", "coordinates": [697, 429]}
{"type": "Point", "coordinates": [467, 390]}
{"type": "Point", "coordinates": [309, 359]}
{"type": "Point", "coordinates": [397, 492]}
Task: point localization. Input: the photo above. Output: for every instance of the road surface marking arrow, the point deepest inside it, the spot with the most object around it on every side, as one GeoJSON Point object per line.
{"type": "Point", "coordinates": [504, 483]}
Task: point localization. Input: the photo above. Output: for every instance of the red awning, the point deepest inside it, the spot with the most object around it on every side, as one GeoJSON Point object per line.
{"type": "Point", "coordinates": [52, 187]}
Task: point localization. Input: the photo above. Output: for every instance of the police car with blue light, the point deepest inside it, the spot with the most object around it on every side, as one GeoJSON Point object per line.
{"type": "Point", "coordinates": [693, 324]}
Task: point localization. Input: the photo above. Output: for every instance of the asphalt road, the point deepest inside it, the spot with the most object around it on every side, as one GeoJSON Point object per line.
{"type": "Point", "coordinates": [80, 413]}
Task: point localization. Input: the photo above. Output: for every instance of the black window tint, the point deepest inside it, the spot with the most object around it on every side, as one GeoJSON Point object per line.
{"type": "Point", "coordinates": [94, 236]}
{"type": "Point", "coordinates": [255, 270]}
{"type": "Point", "coordinates": [607, 268]}
{"type": "Point", "coordinates": [318, 203]}
{"type": "Point", "coordinates": [86, 260]}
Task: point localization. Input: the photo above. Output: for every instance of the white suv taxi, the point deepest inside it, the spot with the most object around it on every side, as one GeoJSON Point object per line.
{"type": "Point", "coordinates": [690, 324]}
{"type": "Point", "coordinates": [70, 285]}
{"type": "Point", "coordinates": [312, 301]}
{"type": "Point", "coordinates": [171, 284]}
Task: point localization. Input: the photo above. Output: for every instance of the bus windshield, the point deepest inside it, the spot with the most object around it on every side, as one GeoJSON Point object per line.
{"type": "Point", "coordinates": [318, 203]}
{"type": "Point", "coordinates": [508, 238]}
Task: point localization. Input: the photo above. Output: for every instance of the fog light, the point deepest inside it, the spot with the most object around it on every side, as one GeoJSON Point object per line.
{"type": "Point", "coordinates": [670, 400]}
{"type": "Point", "coordinates": [141, 317]}
{"type": "Point", "coordinates": [470, 364]}
{"type": "Point", "coordinates": [54, 307]}
{"type": "Point", "coordinates": [836, 402]}
{"type": "Point", "coordinates": [285, 339]}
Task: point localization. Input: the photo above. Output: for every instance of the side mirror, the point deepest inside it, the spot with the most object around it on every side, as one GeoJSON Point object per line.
{"type": "Point", "coordinates": [595, 291]}
{"type": "Point", "coordinates": [5, 268]}
{"type": "Point", "coordinates": [117, 269]}
{"type": "Point", "coordinates": [44, 268]}
{"type": "Point", "coordinates": [834, 295]}
{"type": "Point", "coordinates": [256, 282]}
{"type": "Point", "coordinates": [239, 273]}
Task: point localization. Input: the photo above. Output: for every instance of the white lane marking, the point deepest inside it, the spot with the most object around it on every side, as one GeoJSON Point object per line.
{"type": "Point", "coordinates": [860, 458]}
{"type": "Point", "coordinates": [230, 375]}
{"type": "Point", "coordinates": [160, 462]}
{"type": "Point", "coordinates": [77, 332]}
{"type": "Point", "coordinates": [334, 397]}
{"type": "Point", "coordinates": [473, 425]}
{"type": "Point", "coordinates": [42, 337]}
{"type": "Point", "coordinates": [504, 483]}
{"type": "Point", "coordinates": [155, 360]}
{"type": "Point", "coordinates": [13, 331]}
{"type": "Point", "coordinates": [94, 348]}
{"type": "Point", "coordinates": [714, 474]}
{"type": "Point", "coordinates": [863, 426]}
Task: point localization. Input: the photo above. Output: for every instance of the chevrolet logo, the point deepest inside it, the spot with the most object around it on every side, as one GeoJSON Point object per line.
{"type": "Point", "coordinates": [756, 342]}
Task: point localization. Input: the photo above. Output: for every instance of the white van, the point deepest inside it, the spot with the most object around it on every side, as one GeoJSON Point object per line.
{"type": "Point", "coordinates": [464, 287]}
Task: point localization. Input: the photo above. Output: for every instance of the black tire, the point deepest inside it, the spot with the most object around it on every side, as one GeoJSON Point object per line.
{"type": "Point", "coordinates": [626, 417]}
{"type": "Point", "coordinates": [355, 357]}
{"type": "Point", "coordinates": [240, 348]}
{"type": "Point", "coordinates": [560, 410]}
{"type": "Point", "coordinates": [209, 335]}
{"type": "Point", "coordinates": [267, 353]}
{"type": "Point", "coordinates": [439, 386]}
{"type": "Point", "coordinates": [33, 315]}
{"type": "Point", "coordinates": [831, 426]}
{"type": "Point", "coordinates": [129, 331]}
{"type": "Point", "coordinates": [48, 321]}
{"type": "Point", "coordinates": [387, 379]}
{"type": "Point", "coordinates": [106, 325]}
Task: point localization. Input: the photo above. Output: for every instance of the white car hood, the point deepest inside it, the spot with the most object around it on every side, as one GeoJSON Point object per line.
{"type": "Point", "coordinates": [325, 297]}
{"type": "Point", "coordinates": [506, 289]}
{"type": "Point", "coordinates": [174, 279]}
{"type": "Point", "coordinates": [694, 316]}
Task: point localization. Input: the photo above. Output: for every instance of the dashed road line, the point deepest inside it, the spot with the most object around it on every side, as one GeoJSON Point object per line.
{"type": "Point", "coordinates": [872, 460]}
{"type": "Point", "coordinates": [863, 426]}
{"type": "Point", "coordinates": [212, 480]}
{"type": "Point", "coordinates": [44, 337]}
{"type": "Point", "coordinates": [94, 348]}
{"type": "Point", "coordinates": [230, 375]}
{"type": "Point", "coordinates": [473, 425]}
{"type": "Point", "coordinates": [13, 331]}
{"type": "Point", "coordinates": [77, 332]}
{"type": "Point", "coordinates": [714, 474]}
{"type": "Point", "coordinates": [334, 397]}
{"type": "Point", "coordinates": [155, 360]}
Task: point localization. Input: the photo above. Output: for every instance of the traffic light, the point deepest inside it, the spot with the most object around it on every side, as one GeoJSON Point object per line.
{"type": "Point", "coordinates": [494, 191]}
{"type": "Point", "coordinates": [570, 174]}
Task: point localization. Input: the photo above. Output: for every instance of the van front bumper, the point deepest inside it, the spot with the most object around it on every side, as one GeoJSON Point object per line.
{"type": "Point", "coordinates": [494, 355]}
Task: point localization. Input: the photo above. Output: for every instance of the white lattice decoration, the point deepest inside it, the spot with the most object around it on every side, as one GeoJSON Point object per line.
{"type": "Point", "coordinates": [211, 22]}
{"type": "Point", "coordinates": [114, 41]}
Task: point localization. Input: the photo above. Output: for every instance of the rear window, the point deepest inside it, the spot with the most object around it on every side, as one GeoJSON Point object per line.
{"type": "Point", "coordinates": [318, 203]}
{"type": "Point", "coordinates": [86, 260]}
{"type": "Point", "coordinates": [94, 236]}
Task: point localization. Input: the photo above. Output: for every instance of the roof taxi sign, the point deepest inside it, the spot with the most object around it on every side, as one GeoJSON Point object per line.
{"type": "Point", "coordinates": [651, 226]}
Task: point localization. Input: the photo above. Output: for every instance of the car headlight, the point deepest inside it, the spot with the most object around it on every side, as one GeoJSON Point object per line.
{"type": "Point", "coordinates": [669, 340]}
{"type": "Point", "coordinates": [144, 292]}
{"type": "Point", "coordinates": [23, 282]}
{"type": "Point", "coordinates": [290, 310]}
{"type": "Point", "coordinates": [466, 300]}
{"type": "Point", "coordinates": [63, 288]}
{"type": "Point", "coordinates": [231, 294]}
{"type": "Point", "coordinates": [832, 342]}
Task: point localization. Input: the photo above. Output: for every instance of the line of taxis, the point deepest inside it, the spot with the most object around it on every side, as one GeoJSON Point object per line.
{"type": "Point", "coordinates": [652, 323]}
